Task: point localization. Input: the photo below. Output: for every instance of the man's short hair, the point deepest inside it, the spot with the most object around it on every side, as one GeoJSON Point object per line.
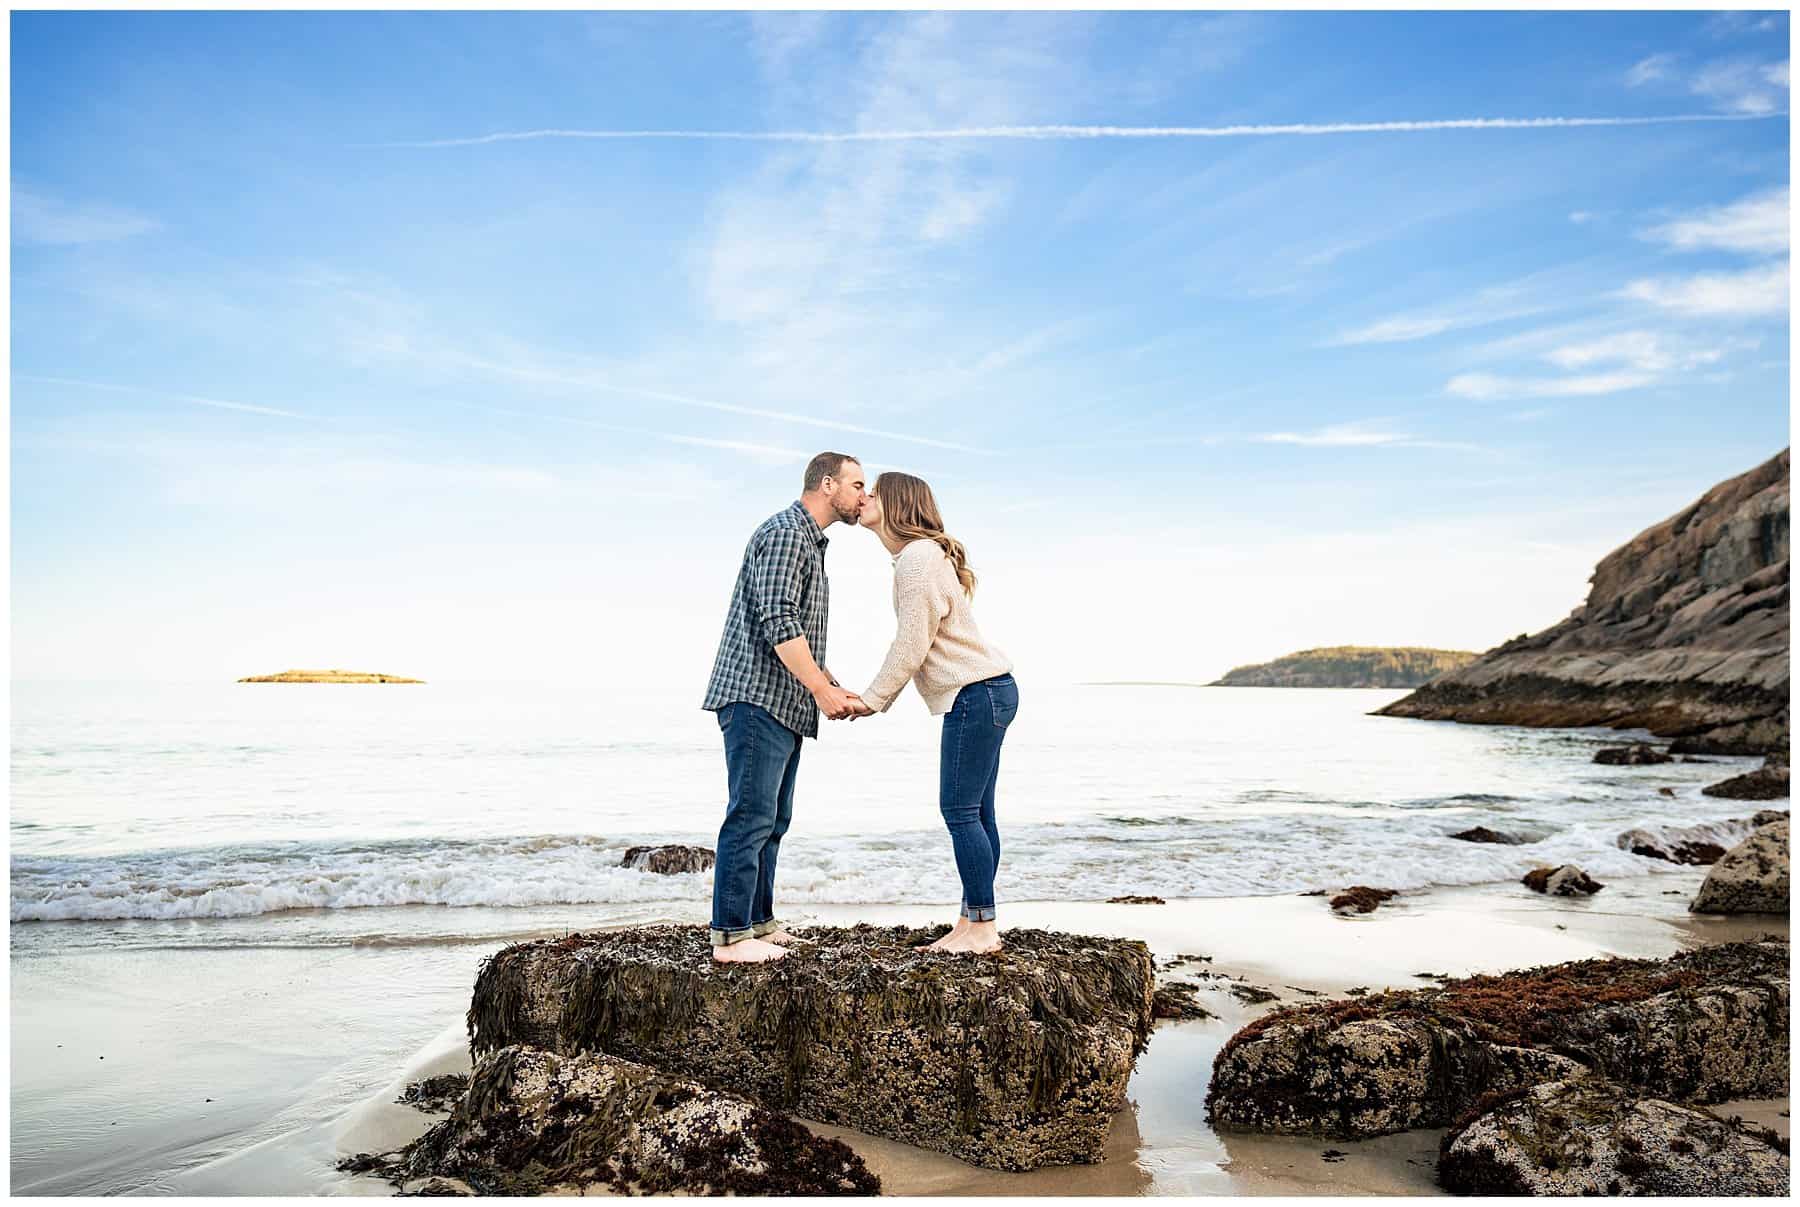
{"type": "Point", "coordinates": [823, 466]}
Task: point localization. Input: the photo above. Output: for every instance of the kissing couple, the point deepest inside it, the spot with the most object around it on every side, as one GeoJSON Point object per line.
{"type": "Point", "coordinates": [770, 683]}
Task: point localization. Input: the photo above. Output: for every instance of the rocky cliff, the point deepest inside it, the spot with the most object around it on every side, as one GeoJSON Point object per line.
{"type": "Point", "coordinates": [1684, 633]}
{"type": "Point", "coordinates": [1349, 666]}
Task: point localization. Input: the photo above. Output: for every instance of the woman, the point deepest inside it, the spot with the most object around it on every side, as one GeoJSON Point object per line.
{"type": "Point", "coordinates": [959, 676]}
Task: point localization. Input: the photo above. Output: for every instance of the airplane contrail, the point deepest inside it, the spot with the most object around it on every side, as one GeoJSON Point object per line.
{"type": "Point", "coordinates": [1045, 133]}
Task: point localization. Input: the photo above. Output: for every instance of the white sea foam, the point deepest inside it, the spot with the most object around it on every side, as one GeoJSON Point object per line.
{"type": "Point", "coordinates": [1083, 861]}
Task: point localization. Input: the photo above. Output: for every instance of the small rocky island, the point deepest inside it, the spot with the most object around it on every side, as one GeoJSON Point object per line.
{"type": "Point", "coordinates": [1350, 666]}
{"type": "Point", "coordinates": [1684, 633]}
{"type": "Point", "coordinates": [328, 677]}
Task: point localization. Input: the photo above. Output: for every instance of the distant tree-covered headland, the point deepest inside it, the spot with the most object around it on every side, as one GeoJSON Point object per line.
{"type": "Point", "coordinates": [1350, 666]}
{"type": "Point", "coordinates": [328, 677]}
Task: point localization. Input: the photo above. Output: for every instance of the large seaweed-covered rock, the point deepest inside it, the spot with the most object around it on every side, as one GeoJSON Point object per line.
{"type": "Point", "coordinates": [533, 1120]}
{"type": "Point", "coordinates": [1684, 633]}
{"type": "Point", "coordinates": [1012, 1061]}
{"type": "Point", "coordinates": [1704, 1025]}
{"type": "Point", "coordinates": [1750, 878]}
{"type": "Point", "coordinates": [1590, 1136]}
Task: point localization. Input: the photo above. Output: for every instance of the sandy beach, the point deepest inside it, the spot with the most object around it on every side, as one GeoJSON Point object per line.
{"type": "Point", "coordinates": [1292, 945]}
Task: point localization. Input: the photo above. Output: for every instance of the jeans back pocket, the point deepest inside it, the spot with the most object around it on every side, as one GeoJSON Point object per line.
{"type": "Point", "coordinates": [1005, 704]}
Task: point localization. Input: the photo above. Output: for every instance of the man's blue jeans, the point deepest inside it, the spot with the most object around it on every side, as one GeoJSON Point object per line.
{"type": "Point", "coordinates": [968, 769]}
{"type": "Point", "coordinates": [761, 757]}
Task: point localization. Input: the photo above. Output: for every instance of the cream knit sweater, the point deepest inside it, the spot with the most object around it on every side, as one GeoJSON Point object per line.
{"type": "Point", "coordinates": [937, 645]}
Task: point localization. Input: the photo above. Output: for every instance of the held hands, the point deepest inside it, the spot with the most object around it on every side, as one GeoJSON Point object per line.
{"type": "Point", "coordinates": [837, 703]}
{"type": "Point", "coordinates": [841, 705]}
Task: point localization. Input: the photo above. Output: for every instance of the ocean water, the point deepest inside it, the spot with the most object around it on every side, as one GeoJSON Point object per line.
{"type": "Point", "coordinates": [224, 814]}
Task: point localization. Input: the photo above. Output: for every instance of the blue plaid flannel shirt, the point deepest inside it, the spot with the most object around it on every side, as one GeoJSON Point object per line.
{"type": "Point", "coordinates": [781, 593]}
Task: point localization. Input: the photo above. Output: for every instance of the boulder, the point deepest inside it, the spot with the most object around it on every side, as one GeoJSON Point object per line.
{"type": "Point", "coordinates": [668, 860]}
{"type": "Point", "coordinates": [1751, 878]}
{"type": "Point", "coordinates": [1696, 845]}
{"type": "Point", "coordinates": [1011, 1061]}
{"type": "Point", "coordinates": [1590, 1136]}
{"type": "Point", "coordinates": [534, 1121]}
{"type": "Point", "coordinates": [1638, 754]}
{"type": "Point", "coordinates": [1483, 834]}
{"type": "Point", "coordinates": [1362, 899]}
{"type": "Point", "coordinates": [1704, 1025]}
{"type": "Point", "coordinates": [1565, 881]}
{"type": "Point", "coordinates": [1684, 633]}
{"type": "Point", "coordinates": [1765, 783]}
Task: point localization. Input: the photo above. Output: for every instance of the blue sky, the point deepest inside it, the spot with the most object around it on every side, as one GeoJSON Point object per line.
{"type": "Point", "coordinates": [305, 372]}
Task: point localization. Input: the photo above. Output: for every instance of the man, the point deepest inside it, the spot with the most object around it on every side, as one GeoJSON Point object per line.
{"type": "Point", "coordinates": [769, 684]}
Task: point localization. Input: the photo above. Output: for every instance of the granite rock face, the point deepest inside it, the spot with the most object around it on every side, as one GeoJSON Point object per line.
{"type": "Point", "coordinates": [1750, 878]}
{"type": "Point", "coordinates": [1011, 1061]}
{"type": "Point", "coordinates": [532, 1121]}
{"type": "Point", "coordinates": [1589, 1136]}
{"type": "Point", "coordinates": [670, 860]}
{"type": "Point", "coordinates": [1702, 1026]}
{"type": "Point", "coordinates": [1684, 633]}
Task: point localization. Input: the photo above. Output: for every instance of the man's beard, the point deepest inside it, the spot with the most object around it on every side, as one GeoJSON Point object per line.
{"type": "Point", "coordinates": [848, 513]}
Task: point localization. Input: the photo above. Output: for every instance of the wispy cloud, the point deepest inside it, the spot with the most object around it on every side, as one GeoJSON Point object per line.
{"type": "Point", "coordinates": [1063, 132]}
{"type": "Point", "coordinates": [1751, 293]}
{"type": "Point", "coordinates": [1361, 433]}
{"type": "Point", "coordinates": [1605, 364]}
{"type": "Point", "coordinates": [194, 399]}
{"type": "Point", "coordinates": [1738, 24]}
{"type": "Point", "coordinates": [592, 382]}
{"type": "Point", "coordinates": [1652, 352]}
{"type": "Point", "coordinates": [1649, 70]}
{"type": "Point", "coordinates": [1758, 223]}
{"type": "Point", "coordinates": [1743, 86]}
{"type": "Point", "coordinates": [767, 454]}
{"type": "Point", "coordinates": [40, 219]}
{"type": "Point", "coordinates": [1486, 387]}
{"type": "Point", "coordinates": [1493, 305]}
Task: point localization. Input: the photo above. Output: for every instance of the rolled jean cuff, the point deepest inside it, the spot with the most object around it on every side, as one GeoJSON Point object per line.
{"type": "Point", "coordinates": [725, 938]}
{"type": "Point", "coordinates": [978, 913]}
{"type": "Point", "coordinates": [764, 929]}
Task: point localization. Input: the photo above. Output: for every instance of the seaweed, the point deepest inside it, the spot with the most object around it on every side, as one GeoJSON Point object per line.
{"type": "Point", "coordinates": [655, 994]}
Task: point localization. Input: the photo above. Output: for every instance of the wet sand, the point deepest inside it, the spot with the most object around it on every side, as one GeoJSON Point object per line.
{"type": "Point", "coordinates": [1162, 1144]}
{"type": "Point", "coordinates": [301, 1050]}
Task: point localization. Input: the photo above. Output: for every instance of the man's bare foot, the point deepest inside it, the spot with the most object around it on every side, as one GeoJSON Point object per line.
{"type": "Point", "coordinates": [979, 939]}
{"type": "Point", "coordinates": [782, 936]}
{"type": "Point", "coordinates": [748, 951]}
{"type": "Point", "coordinates": [956, 932]}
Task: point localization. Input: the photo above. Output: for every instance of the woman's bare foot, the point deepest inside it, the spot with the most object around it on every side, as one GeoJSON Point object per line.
{"type": "Point", "coordinates": [782, 936]}
{"type": "Point", "coordinates": [748, 951]}
{"type": "Point", "coordinates": [979, 939]}
{"type": "Point", "coordinates": [956, 932]}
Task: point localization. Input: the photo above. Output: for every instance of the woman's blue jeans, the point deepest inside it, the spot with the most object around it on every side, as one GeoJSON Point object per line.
{"type": "Point", "coordinates": [968, 768]}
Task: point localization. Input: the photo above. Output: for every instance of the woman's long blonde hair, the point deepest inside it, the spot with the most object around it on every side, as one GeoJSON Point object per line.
{"type": "Point", "coordinates": [909, 512]}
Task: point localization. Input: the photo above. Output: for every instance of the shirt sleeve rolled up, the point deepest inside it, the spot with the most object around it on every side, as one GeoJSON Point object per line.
{"type": "Point", "coordinates": [776, 564]}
